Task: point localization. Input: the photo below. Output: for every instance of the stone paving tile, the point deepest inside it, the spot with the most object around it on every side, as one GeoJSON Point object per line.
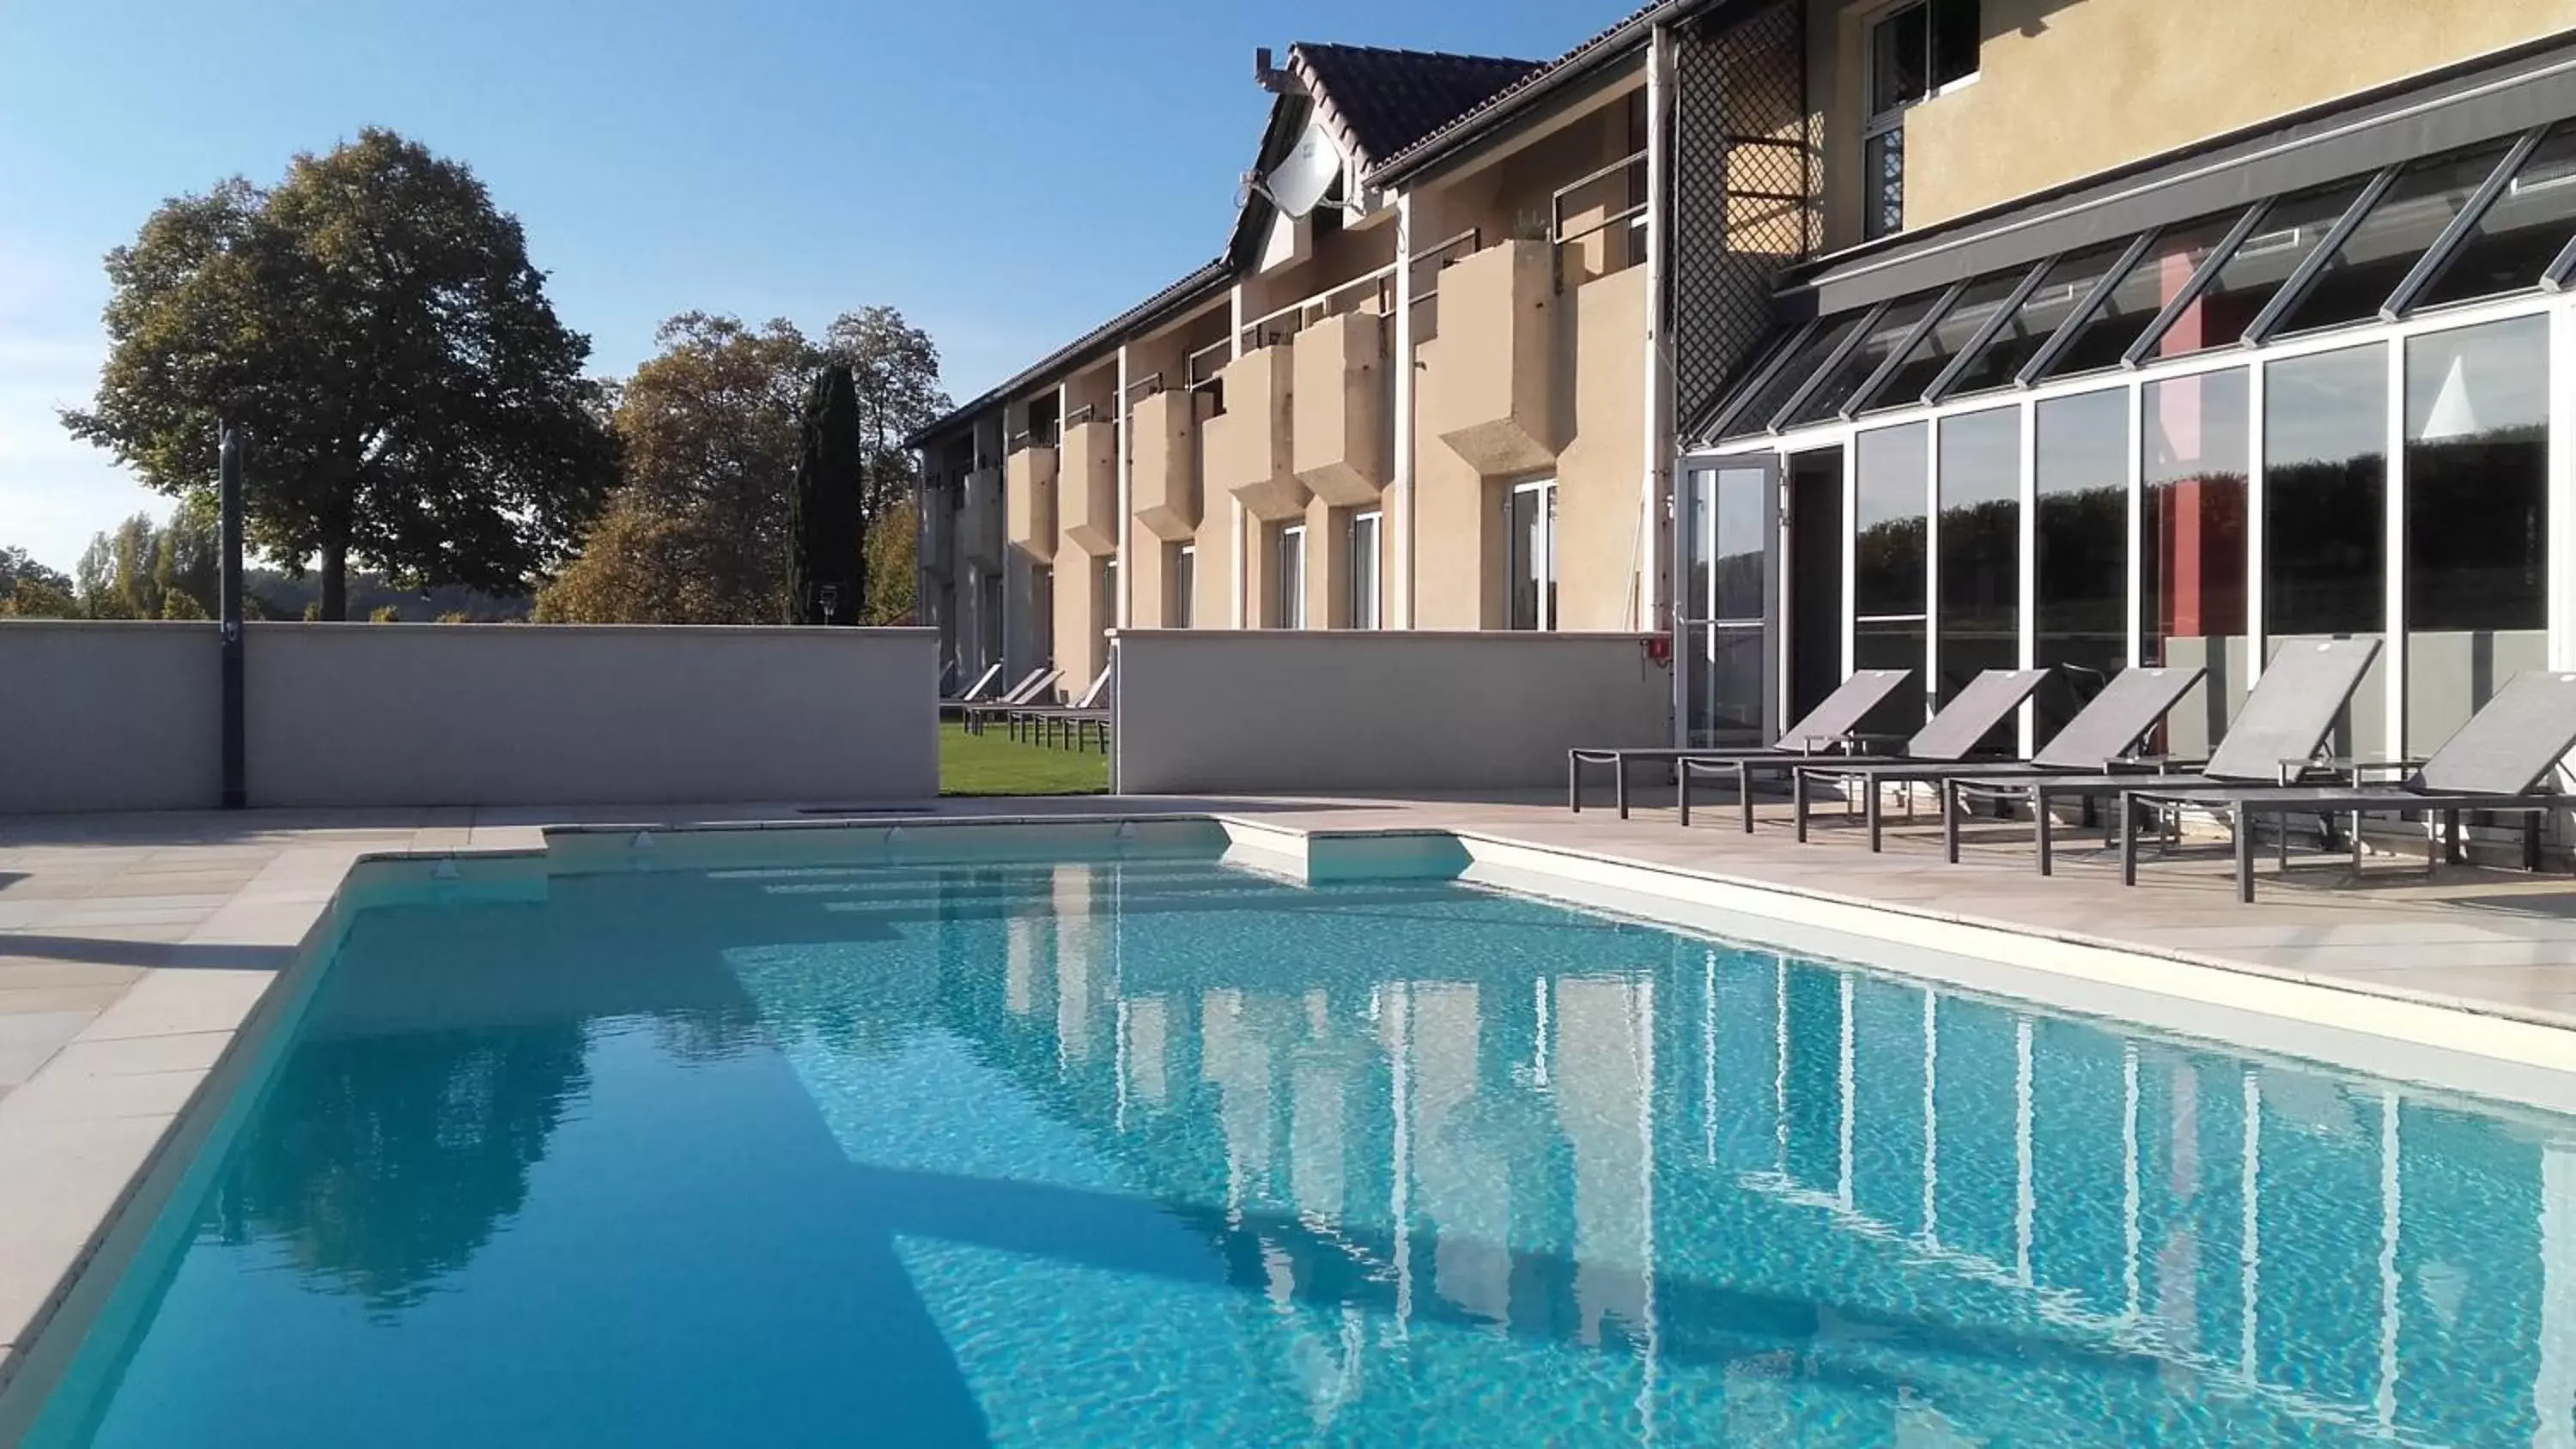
{"type": "Point", "coordinates": [28, 1041]}
{"type": "Point", "coordinates": [30, 973]}
{"type": "Point", "coordinates": [45, 1000]}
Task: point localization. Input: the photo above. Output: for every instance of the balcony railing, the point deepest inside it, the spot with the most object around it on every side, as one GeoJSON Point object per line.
{"type": "Point", "coordinates": [1277, 327]}
{"type": "Point", "coordinates": [1617, 191]}
{"type": "Point", "coordinates": [1044, 435]}
{"type": "Point", "coordinates": [1432, 261]}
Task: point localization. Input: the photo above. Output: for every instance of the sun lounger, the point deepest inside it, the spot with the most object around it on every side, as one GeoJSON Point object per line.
{"type": "Point", "coordinates": [1830, 726]}
{"type": "Point", "coordinates": [1075, 719]}
{"type": "Point", "coordinates": [2097, 740]}
{"type": "Point", "coordinates": [1952, 734]}
{"type": "Point", "coordinates": [1027, 690]}
{"type": "Point", "coordinates": [2502, 762]}
{"type": "Point", "coordinates": [2274, 739]}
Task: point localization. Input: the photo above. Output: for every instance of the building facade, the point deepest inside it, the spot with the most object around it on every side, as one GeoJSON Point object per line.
{"type": "Point", "coordinates": [1948, 334]}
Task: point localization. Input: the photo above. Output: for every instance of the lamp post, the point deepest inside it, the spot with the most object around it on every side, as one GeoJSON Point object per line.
{"type": "Point", "coordinates": [228, 610]}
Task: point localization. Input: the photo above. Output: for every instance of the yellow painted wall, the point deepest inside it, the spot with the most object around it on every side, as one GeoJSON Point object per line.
{"type": "Point", "coordinates": [1080, 646]}
{"type": "Point", "coordinates": [2067, 88]}
{"type": "Point", "coordinates": [1600, 470]}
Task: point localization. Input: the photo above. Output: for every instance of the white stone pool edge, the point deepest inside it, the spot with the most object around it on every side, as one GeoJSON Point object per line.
{"type": "Point", "coordinates": [109, 1124]}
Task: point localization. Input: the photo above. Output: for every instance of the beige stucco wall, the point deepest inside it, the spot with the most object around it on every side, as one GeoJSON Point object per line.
{"type": "Point", "coordinates": [1250, 450]}
{"type": "Point", "coordinates": [1080, 649]}
{"type": "Point", "coordinates": [109, 716]}
{"type": "Point", "coordinates": [1029, 502]}
{"type": "Point", "coordinates": [1087, 490]}
{"type": "Point", "coordinates": [1600, 470]}
{"type": "Point", "coordinates": [1376, 710]}
{"type": "Point", "coordinates": [1339, 417]}
{"type": "Point", "coordinates": [2066, 88]}
{"type": "Point", "coordinates": [471, 714]}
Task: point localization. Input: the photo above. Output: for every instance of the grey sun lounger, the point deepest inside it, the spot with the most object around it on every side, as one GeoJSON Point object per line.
{"type": "Point", "coordinates": [2275, 737]}
{"type": "Point", "coordinates": [975, 692]}
{"type": "Point", "coordinates": [1075, 718]}
{"type": "Point", "coordinates": [2097, 740]}
{"type": "Point", "coordinates": [1830, 726]}
{"type": "Point", "coordinates": [1951, 735]}
{"type": "Point", "coordinates": [2499, 762]}
{"type": "Point", "coordinates": [1020, 694]}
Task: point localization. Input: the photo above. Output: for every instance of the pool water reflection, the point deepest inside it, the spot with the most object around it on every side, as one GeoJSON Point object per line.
{"type": "Point", "coordinates": [1163, 1152]}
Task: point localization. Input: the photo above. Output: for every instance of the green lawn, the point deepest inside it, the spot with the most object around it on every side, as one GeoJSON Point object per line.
{"type": "Point", "coordinates": [993, 763]}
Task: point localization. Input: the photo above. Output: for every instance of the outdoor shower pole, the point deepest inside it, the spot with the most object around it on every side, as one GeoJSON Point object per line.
{"type": "Point", "coordinates": [229, 611]}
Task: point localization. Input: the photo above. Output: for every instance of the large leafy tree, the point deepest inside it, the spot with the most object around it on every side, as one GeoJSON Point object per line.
{"type": "Point", "coordinates": [710, 433]}
{"type": "Point", "coordinates": [374, 324]}
{"type": "Point", "coordinates": [827, 526]}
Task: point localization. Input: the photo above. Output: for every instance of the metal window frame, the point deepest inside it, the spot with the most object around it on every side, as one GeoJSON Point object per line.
{"type": "Point", "coordinates": [2142, 350]}
{"type": "Point", "coordinates": [1763, 377]}
{"type": "Point", "coordinates": [2076, 321]}
{"type": "Point", "coordinates": [2295, 288]}
{"type": "Point", "coordinates": [1878, 377]}
{"type": "Point", "coordinates": [2555, 279]}
{"type": "Point", "coordinates": [1842, 350]}
{"type": "Point", "coordinates": [2437, 258]}
{"type": "Point", "coordinates": [2005, 311]}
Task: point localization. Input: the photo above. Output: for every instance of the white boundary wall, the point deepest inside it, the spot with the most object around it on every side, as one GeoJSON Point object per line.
{"type": "Point", "coordinates": [1390, 711]}
{"type": "Point", "coordinates": [125, 716]}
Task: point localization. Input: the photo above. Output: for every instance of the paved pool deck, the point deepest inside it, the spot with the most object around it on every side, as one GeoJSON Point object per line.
{"type": "Point", "coordinates": [134, 949]}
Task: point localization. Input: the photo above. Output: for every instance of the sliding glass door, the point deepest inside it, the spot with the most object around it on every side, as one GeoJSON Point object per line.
{"type": "Point", "coordinates": [1729, 610]}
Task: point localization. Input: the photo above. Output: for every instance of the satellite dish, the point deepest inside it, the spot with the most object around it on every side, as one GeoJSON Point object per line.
{"type": "Point", "coordinates": [1298, 184]}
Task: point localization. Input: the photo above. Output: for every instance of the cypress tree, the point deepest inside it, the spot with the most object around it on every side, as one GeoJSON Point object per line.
{"type": "Point", "coordinates": [827, 529]}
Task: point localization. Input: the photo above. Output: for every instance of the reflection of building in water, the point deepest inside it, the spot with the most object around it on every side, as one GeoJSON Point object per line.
{"type": "Point", "coordinates": [1604, 1089]}
{"type": "Point", "coordinates": [1079, 950]}
{"type": "Point", "coordinates": [1462, 1185]}
{"type": "Point", "coordinates": [2263, 1232]}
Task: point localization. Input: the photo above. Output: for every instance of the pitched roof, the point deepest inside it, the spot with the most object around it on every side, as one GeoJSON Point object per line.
{"type": "Point", "coordinates": [1381, 101]}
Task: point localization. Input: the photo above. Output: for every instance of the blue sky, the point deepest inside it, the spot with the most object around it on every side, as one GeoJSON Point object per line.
{"type": "Point", "coordinates": [1007, 173]}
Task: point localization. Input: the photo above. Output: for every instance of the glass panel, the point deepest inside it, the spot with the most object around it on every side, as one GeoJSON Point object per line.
{"type": "Point", "coordinates": [2081, 615]}
{"type": "Point", "coordinates": [2325, 518]}
{"type": "Point", "coordinates": [1726, 708]}
{"type": "Point", "coordinates": [2070, 279]}
{"type": "Point", "coordinates": [2191, 546]}
{"type": "Point", "coordinates": [1727, 543]}
{"type": "Point", "coordinates": [1900, 54]}
{"type": "Point", "coordinates": [2477, 483]}
{"type": "Point", "coordinates": [1905, 386]}
{"type": "Point", "coordinates": [2398, 230]}
{"type": "Point", "coordinates": [2521, 232]}
{"type": "Point", "coordinates": [1884, 165]}
{"type": "Point", "coordinates": [1533, 557]}
{"type": "Point", "coordinates": [1755, 415]}
{"type": "Point", "coordinates": [1894, 325]}
{"type": "Point", "coordinates": [1364, 571]}
{"type": "Point", "coordinates": [1185, 564]}
{"type": "Point", "coordinates": [2142, 292]}
{"type": "Point", "coordinates": [1288, 609]}
{"type": "Point", "coordinates": [1954, 40]}
{"type": "Point", "coordinates": [1890, 493]}
{"type": "Point", "coordinates": [1980, 538]}
{"type": "Point", "coordinates": [2294, 227]}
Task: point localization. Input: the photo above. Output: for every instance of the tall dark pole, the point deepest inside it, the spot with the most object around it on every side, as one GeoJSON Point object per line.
{"type": "Point", "coordinates": [229, 611]}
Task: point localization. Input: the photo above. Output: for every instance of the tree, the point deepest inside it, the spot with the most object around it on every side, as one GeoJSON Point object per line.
{"type": "Point", "coordinates": [895, 368]}
{"type": "Point", "coordinates": [709, 430]}
{"type": "Point", "coordinates": [409, 397]}
{"type": "Point", "coordinates": [188, 563]}
{"type": "Point", "coordinates": [828, 529]}
{"type": "Point", "coordinates": [894, 561]}
{"type": "Point", "coordinates": [119, 574]}
{"type": "Point", "coordinates": [30, 590]}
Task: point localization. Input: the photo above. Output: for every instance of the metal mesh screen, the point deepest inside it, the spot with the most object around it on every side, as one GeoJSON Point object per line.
{"type": "Point", "coordinates": [1746, 185]}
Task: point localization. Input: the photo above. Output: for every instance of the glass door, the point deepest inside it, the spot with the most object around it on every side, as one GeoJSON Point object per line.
{"type": "Point", "coordinates": [1530, 526]}
{"type": "Point", "coordinates": [1728, 592]}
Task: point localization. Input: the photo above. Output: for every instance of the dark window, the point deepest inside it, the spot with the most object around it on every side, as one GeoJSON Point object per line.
{"type": "Point", "coordinates": [2070, 279]}
{"type": "Point", "coordinates": [1883, 163]}
{"type": "Point", "coordinates": [2080, 617]}
{"type": "Point", "coordinates": [1885, 336]}
{"type": "Point", "coordinates": [1980, 542]}
{"type": "Point", "coordinates": [2520, 234]}
{"type": "Point", "coordinates": [1956, 329]}
{"type": "Point", "coordinates": [1913, 53]}
{"type": "Point", "coordinates": [2404, 223]}
{"type": "Point", "coordinates": [1888, 572]}
{"type": "Point", "coordinates": [2290, 230]}
{"type": "Point", "coordinates": [2325, 482]}
{"type": "Point", "coordinates": [2195, 452]}
{"type": "Point", "coordinates": [2142, 292]}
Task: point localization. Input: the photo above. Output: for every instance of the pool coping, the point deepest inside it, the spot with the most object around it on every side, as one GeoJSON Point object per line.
{"type": "Point", "coordinates": [111, 1121]}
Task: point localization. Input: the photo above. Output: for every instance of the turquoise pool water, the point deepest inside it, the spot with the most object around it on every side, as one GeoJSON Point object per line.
{"type": "Point", "coordinates": [1162, 1152]}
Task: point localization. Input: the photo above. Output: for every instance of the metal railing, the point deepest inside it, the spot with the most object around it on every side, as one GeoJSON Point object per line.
{"type": "Point", "coordinates": [1626, 220]}
{"type": "Point", "coordinates": [1081, 415]}
{"type": "Point", "coordinates": [1273, 328]}
{"type": "Point", "coordinates": [1044, 435]}
{"type": "Point", "coordinates": [1200, 368]}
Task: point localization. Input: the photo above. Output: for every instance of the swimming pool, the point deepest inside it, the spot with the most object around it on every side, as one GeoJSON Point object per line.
{"type": "Point", "coordinates": [1133, 1150]}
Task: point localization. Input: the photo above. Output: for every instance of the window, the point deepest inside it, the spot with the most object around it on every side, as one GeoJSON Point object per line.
{"type": "Point", "coordinates": [2477, 483]}
{"type": "Point", "coordinates": [1958, 327]}
{"type": "Point", "coordinates": [1042, 614]}
{"type": "Point", "coordinates": [2519, 234]}
{"type": "Point", "coordinates": [2157, 278]}
{"type": "Point", "coordinates": [1888, 560]}
{"type": "Point", "coordinates": [2080, 615]}
{"type": "Point", "coordinates": [2399, 228]}
{"type": "Point", "coordinates": [1894, 325]}
{"type": "Point", "coordinates": [1725, 602]}
{"type": "Point", "coordinates": [1915, 52]}
{"type": "Point", "coordinates": [2325, 511]}
{"type": "Point", "coordinates": [1772, 392]}
{"type": "Point", "coordinates": [1184, 572]}
{"type": "Point", "coordinates": [1288, 580]}
{"type": "Point", "coordinates": [1980, 541]}
{"type": "Point", "coordinates": [2290, 230]}
{"type": "Point", "coordinates": [2069, 280]}
{"type": "Point", "coordinates": [1530, 528]}
{"type": "Point", "coordinates": [1104, 598]}
{"type": "Point", "coordinates": [2193, 459]}
{"type": "Point", "coordinates": [1366, 529]}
